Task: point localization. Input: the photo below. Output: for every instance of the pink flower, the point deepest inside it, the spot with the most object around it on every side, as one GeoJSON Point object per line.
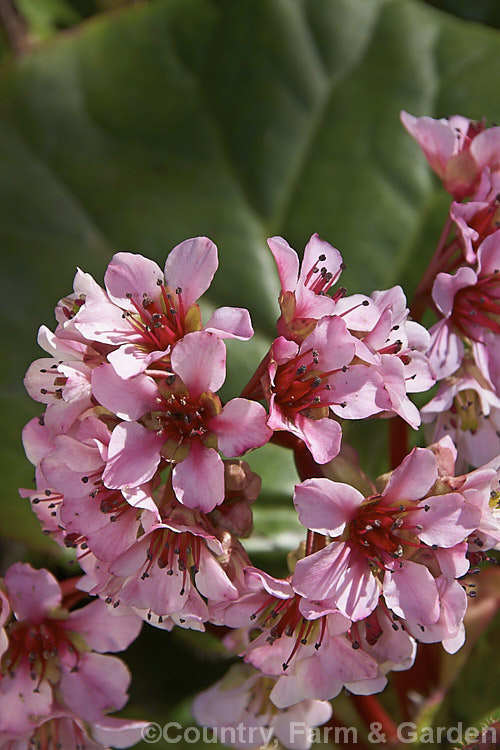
{"type": "Point", "coordinates": [468, 410]}
{"type": "Point", "coordinates": [304, 294]}
{"type": "Point", "coordinates": [146, 311]}
{"type": "Point", "coordinates": [457, 149]}
{"type": "Point", "coordinates": [306, 649]}
{"type": "Point", "coordinates": [394, 346]}
{"type": "Point", "coordinates": [175, 561]}
{"type": "Point", "coordinates": [377, 540]}
{"type": "Point", "coordinates": [469, 302]}
{"type": "Point", "coordinates": [305, 382]}
{"type": "Point", "coordinates": [68, 731]}
{"type": "Point", "coordinates": [478, 218]}
{"type": "Point", "coordinates": [51, 653]}
{"type": "Point", "coordinates": [182, 423]}
{"type": "Point", "coordinates": [239, 709]}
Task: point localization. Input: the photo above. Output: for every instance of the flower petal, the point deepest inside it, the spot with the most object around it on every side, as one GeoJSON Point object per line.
{"type": "Point", "coordinates": [198, 480]}
{"type": "Point", "coordinates": [326, 506]}
{"type": "Point", "coordinates": [191, 266]}
{"type": "Point", "coordinates": [240, 426]}
{"type": "Point", "coordinates": [199, 359]}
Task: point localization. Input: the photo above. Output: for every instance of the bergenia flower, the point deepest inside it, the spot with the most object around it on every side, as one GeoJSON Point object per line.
{"type": "Point", "coordinates": [308, 650]}
{"type": "Point", "coordinates": [468, 410]}
{"type": "Point", "coordinates": [56, 658]}
{"type": "Point", "coordinates": [393, 345]}
{"type": "Point", "coordinates": [182, 421]}
{"type": "Point", "coordinates": [457, 149]}
{"type": "Point", "coordinates": [377, 541]}
{"type": "Point", "coordinates": [241, 699]}
{"type": "Point", "coordinates": [304, 287]}
{"type": "Point", "coordinates": [469, 302]}
{"type": "Point", "coordinates": [65, 729]}
{"type": "Point", "coordinates": [305, 382]}
{"type": "Point", "coordinates": [478, 218]}
{"type": "Point", "coordinates": [147, 311]}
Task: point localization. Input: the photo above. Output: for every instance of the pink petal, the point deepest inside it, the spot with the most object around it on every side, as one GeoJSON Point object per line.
{"type": "Point", "coordinates": [21, 708]}
{"type": "Point", "coordinates": [325, 506]}
{"type": "Point", "coordinates": [436, 138]}
{"type": "Point", "coordinates": [488, 255]}
{"type": "Point", "coordinates": [32, 593]}
{"type": "Point", "coordinates": [130, 360]}
{"type": "Point", "coordinates": [362, 391]}
{"type": "Point", "coordinates": [211, 580]}
{"type": "Point", "coordinates": [410, 591]}
{"type": "Point", "coordinates": [447, 521]}
{"type": "Point", "coordinates": [287, 261]}
{"type": "Point", "coordinates": [446, 286]}
{"type": "Point", "coordinates": [133, 456]}
{"type": "Point", "coordinates": [191, 266]}
{"type": "Point", "coordinates": [257, 579]}
{"type": "Point", "coordinates": [37, 441]}
{"type": "Point", "coordinates": [312, 251]}
{"type": "Point", "coordinates": [334, 343]}
{"type": "Point", "coordinates": [131, 274]}
{"type": "Point", "coordinates": [413, 478]}
{"type": "Point", "coordinates": [128, 399]}
{"type": "Point", "coordinates": [198, 480]}
{"type": "Point", "coordinates": [98, 686]}
{"type": "Point", "coordinates": [446, 349]}
{"type": "Point", "coordinates": [240, 426]}
{"type": "Point", "coordinates": [231, 323]}
{"type": "Point", "coordinates": [199, 359]}
{"type": "Point", "coordinates": [119, 733]}
{"type": "Point", "coordinates": [322, 436]}
{"type": "Point", "coordinates": [485, 148]}
{"type": "Point", "coordinates": [103, 628]}
{"type": "Point", "coordinates": [339, 573]}
{"type": "Point", "coordinates": [105, 322]}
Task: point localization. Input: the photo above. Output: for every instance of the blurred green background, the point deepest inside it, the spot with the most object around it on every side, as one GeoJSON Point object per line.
{"type": "Point", "coordinates": [129, 126]}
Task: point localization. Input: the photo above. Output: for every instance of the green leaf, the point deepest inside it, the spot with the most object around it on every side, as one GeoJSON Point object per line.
{"type": "Point", "coordinates": [44, 17]}
{"type": "Point", "coordinates": [234, 120]}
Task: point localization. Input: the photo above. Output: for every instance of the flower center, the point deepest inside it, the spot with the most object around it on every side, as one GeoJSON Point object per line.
{"type": "Point", "coordinates": [283, 617]}
{"type": "Point", "coordinates": [160, 322]}
{"type": "Point", "coordinates": [319, 278]}
{"type": "Point", "coordinates": [181, 419]}
{"type": "Point", "coordinates": [174, 552]}
{"type": "Point", "coordinates": [478, 307]}
{"type": "Point", "coordinates": [380, 530]}
{"type": "Point", "coordinates": [40, 644]}
{"type": "Point", "coordinates": [466, 411]}
{"type": "Point", "coordinates": [300, 386]}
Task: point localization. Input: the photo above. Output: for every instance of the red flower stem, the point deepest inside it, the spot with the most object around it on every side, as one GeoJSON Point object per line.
{"type": "Point", "coordinates": [398, 440]}
{"type": "Point", "coordinates": [371, 711]}
{"type": "Point", "coordinates": [253, 388]}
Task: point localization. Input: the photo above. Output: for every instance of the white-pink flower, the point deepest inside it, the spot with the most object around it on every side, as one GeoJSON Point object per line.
{"type": "Point", "coordinates": [469, 302]}
{"type": "Point", "coordinates": [182, 422]}
{"type": "Point", "coordinates": [146, 311]}
{"type": "Point", "coordinates": [56, 658]}
{"type": "Point", "coordinates": [457, 149]}
{"type": "Point", "coordinates": [304, 295]}
{"type": "Point", "coordinates": [239, 709]}
{"type": "Point", "coordinates": [376, 541]}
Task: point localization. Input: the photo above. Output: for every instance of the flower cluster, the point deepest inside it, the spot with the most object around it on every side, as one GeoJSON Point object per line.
{"type": "Point", "coordinates": [139, 469]}
{"type": "Point", "coordinates": [57, 683]}
{"type": "Point", "coordinates": [463, 282]}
